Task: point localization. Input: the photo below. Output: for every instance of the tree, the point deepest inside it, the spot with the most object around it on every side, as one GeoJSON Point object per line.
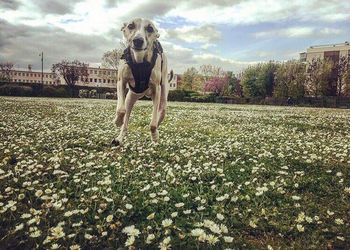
{"type": "Point", "coordinates": [343, 70]}
{"type": "Point", "coordinates": [266, 77]}
{"type": "Point", "coordinates": [259, 80]}
{"type": "Point", "coordinates": [216, 84]}
{"type": "Point", "coordinates": [290, 80]}
{"type": "Point", "coordinates": [191, 80]}
{"type": "Point", "coordinates": [5, 71]}
{"type": "Point", "coordinates": [209, 71]}
{"type": "Point", "coordinates": [319, 77]}
{"type": "Point", "coordinates": [71, 71]}
{"type": "Point", "coordinates": [233, 86]}
{"type": "Point", "coordinates": [110, 59]}
{"type": "Point", "coordinates": [251, 87]}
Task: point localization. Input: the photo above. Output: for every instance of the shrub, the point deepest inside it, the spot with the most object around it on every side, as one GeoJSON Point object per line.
{"type": "Point", "coordinates": [83, 93]}
{"type": "Point", "coordinates": [50, 91]}
{"type": "Point", "coordinates": [180, 95]}
{"type": "Point", "coordinates": [15, 90]}
{"type": "Point", "coordinates": [93, 93]}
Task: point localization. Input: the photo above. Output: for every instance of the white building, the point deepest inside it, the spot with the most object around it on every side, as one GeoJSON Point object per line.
{"type": "Point", "coordinates": [97, 78]}
{"type": "Point", "coordinates": [331, 51]}
{"type": "Point", "coordinates": [29, 76]}
{"type": "Point", "coordinates": [174, 82]}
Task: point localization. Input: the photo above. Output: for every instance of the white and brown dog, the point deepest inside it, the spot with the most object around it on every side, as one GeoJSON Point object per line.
{"type": "Point", "coordinates": [142, 69]}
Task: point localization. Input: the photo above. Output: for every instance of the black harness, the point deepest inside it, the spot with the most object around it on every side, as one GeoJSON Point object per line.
{"type": "Point", "coordinates": [142, 71]}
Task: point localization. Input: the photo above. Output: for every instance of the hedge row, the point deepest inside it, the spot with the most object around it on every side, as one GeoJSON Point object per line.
{"type": "Point", "coordinates": [174, 95]}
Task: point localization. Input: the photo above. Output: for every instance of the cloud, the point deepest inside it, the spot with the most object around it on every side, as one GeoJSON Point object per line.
{"type": "Point", "coordinates": [56, 6]}
{"type": "Point", "coordinates": [9, 4]}
{"type": "Point", "coordinates": [263, 11]}
{"type": "Point", "coordinates": [22, 45]}
{"type": "Point", "coordinates": [193, 32]}
{"type": "Point", "coordinates": [296, 32]}
{"type": "Point", "coordinates": [181, 58]}
{"type": "Point", "coordinates": [196, 34]}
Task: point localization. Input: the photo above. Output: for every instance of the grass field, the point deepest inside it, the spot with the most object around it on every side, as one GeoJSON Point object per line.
{"type": "Point", "coordinates": [222, 176]}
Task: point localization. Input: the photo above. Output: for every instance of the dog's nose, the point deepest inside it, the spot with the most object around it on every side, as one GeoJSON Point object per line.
{"type": "Point", "coordinates": [138, 42]}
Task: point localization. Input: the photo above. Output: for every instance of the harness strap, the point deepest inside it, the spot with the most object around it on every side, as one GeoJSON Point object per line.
{"type": "Point", "coordinates": [142, 71]}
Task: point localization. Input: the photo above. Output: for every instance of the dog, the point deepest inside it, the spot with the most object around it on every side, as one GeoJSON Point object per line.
{"type": "Point", "coordinates": [142, 70]}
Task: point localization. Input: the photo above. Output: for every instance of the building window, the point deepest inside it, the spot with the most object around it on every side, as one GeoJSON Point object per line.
{"type": "Point", "coordinates": [109, 81]}
{"type": "Point", "coordinates": [99, 80]}
{"type": "Point", "coordinates": [95, 80]}
{"type": "Point", "coordinates": [90, 79]}
{"type": "Point", "coordinates": [112, 81]}
{"type": "Point", "coordinates": [95, 71]}
{"type": "Point", "coordinates": [104, 80]}
{"type": "Point", "coordinates": [90, 71]}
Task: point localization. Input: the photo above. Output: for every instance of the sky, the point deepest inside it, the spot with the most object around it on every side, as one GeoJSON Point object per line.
{"type": "Point", "coordinates": [231, 34]}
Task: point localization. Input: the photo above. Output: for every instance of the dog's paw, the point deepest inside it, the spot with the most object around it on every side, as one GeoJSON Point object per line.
{"type": "Point", "coordinates": [155, 136]}
{"type": "Point", "coordinates": [115, 143]}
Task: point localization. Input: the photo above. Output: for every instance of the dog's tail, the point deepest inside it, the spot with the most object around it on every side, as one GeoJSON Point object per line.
{"type": "Point", "coordinates": [171, 75]}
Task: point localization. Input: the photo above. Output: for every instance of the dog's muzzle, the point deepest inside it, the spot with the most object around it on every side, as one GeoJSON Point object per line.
{"type": "Point", "coordinates": [138, 43]}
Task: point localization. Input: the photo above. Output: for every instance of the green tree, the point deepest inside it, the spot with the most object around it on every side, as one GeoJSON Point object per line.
{"type": "Point", "coordinates": [191, 80]}
{"type": "Point", "coordinates": [233, 87]}
{"type": "Point", "coordinates": [251, 86]}
{"type": "Point", "coordinates": [266, 77]}
{"type": "Point", "coordinates": [290, 80]}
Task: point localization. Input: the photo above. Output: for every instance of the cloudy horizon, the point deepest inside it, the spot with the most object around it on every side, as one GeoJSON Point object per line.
{"type": "Point", "coordinates": [230, 34]}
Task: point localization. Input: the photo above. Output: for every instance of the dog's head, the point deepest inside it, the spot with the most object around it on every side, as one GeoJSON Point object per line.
{"type": "Point", "coordinates": [140, 35]}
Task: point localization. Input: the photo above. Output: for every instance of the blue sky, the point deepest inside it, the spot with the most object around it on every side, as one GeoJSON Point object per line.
{"type": "Point", "coordinates": [231, 34]}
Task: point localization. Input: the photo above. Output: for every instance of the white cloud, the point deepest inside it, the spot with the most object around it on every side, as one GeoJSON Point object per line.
{"type": "Point", "coordinates": [258, 11]}
{"type": "Point", "coordinates": [300, 32]}
{"type": "Point", "coordinates": [196, 34]}
{"type": "Point", "coordinates": [77, 23]}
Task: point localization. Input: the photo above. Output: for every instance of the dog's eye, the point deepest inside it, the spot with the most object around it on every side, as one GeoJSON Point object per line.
{"type": "Point", "coordinates": [150, 29]}
{"type": "Point", "coordinates": [131, 26]}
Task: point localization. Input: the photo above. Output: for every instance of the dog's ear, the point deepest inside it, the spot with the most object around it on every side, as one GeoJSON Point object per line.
{"type": "Point", "coordinates": [123, 27]}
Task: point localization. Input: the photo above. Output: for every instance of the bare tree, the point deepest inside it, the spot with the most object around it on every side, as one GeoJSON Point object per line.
{"type": "Point", "coordinates": [71, 71]}
{"type": "Point", "coordinates": [110, 59]}
{"type": "Point", "coordinates": [342, 67]}
{"type": "Point", "coordinates": [5, 71]}
{"type": "Point", "coordinates": [209, 71]}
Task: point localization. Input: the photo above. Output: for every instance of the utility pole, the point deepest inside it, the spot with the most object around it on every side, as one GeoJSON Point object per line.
{"type": "Point", "coordinates": [42, 69]}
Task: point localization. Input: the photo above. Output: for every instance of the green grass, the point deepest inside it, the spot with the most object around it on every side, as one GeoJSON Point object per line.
{"type": "Point", "coordinates": [266, 176]}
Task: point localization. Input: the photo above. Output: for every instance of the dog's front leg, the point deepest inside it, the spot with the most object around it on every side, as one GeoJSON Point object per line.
{"type": "Point", "coordinates": [155, 113]}
{"type": "Point", "coordinates": [129, 104]}
{"type": "Point", "coordinates": [120, 112]}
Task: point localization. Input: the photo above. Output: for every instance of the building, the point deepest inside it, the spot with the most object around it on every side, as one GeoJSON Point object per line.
{"type": "Point", "coordinates": [97, 78]}
{"type": "Point", "coordinates": [174, 83]}
{"type": "Point", "coordinates": [29, 76]}
{"type": "Point", "coordinates": [330, 51]}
